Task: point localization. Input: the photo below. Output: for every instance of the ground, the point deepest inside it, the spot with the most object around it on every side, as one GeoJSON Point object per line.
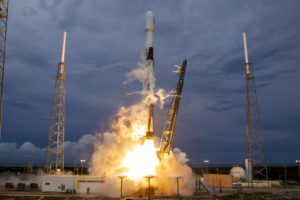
{"type": "Point", "coordinates": [292, 193]}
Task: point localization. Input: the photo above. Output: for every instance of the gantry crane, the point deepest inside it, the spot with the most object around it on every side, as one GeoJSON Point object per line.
{"type": "Point", "coordinates": [168, 131]}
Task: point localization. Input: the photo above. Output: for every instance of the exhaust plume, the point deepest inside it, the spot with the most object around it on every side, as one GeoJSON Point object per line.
{"type": "Point", "coordinates": [126, 135]}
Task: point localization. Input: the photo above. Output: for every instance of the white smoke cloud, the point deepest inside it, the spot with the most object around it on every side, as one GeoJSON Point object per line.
{"type": "Point", "coordinates": [145, 75]}
{"type": "Point", "coordinates": [162, 96]}
{"type": "Point", "coordinates": [81, 149]}
{"type": "Point", "coordinates": [22, 178]}
{"type": "Point", "coordinates": [180, 156]}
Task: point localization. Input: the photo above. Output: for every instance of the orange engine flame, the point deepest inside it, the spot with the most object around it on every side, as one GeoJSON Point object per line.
{"type": "Point", "coordinates": [141, 161]}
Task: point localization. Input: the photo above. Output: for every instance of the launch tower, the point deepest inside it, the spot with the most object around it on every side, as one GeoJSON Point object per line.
{"type": "Point", "coordinates": [255, 163]}
{"type": "Point", "coordinates": [55, 149]}
{"type": "Point", "coordinates": [3, 33]}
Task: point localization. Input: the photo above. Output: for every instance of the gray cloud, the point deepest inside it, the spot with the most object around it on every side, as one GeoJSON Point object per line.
{"type": "Point", "coordinates": [105, 40]}
{"type": "Point", "coordinates": [13, 154]}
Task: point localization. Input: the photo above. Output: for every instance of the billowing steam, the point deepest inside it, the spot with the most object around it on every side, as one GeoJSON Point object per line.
{"type": "Point", "coordinates": [145, 75]}
{"type": "Point", "coordinates": [162, 95]}
{"type": "Point", "coordinates": [8, 177]}
{"type": "Point", "coordinates": [122, 151]}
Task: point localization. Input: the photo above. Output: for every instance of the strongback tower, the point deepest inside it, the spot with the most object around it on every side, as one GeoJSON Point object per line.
{"type": "Point", "coordinates": [172, 113]}
{"type": "Point", "coordinates": [3, 31]}
{"type": "Point", "coordinates": [55, 149]}
{"type": "Point", "coordinates": [255, 162]}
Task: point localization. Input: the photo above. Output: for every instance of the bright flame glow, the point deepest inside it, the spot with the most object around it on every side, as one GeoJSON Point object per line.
{"type": "Point", "coordinates": [138, 131]}
{"type": "Point", "coordinates": [141, 161]}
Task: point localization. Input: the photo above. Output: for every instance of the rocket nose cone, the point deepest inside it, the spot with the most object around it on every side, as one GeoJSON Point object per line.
{"type": "Point", "coordinates": [149, 21]}
{"type": "Point", "coordinates": [149, 13]}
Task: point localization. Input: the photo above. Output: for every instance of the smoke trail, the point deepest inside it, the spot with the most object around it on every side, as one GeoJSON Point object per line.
{"type": "Point", "coordinates": [162, 96]}
{"type": "Point", "coordinates": [145, 75]}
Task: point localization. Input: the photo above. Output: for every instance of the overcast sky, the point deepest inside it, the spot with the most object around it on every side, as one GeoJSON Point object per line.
{"type": "Point", "coordinates": [105, 40]}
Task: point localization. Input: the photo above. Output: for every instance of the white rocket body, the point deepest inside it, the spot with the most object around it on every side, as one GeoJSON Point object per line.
{"type": "Point", "coordinates": [61, 66]}
{"type": "Point", "coordinates": [63, 47]}
{"type": "Point", "coordinates": [149, 29]}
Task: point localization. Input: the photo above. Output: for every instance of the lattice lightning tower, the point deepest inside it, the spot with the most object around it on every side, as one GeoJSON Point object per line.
{"type": "Point", "coordinates": [3, 33]}
{"type": "Point", "coordinates": [255, 163]}
{"type": "Point", "coordinates": [55, 149]}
